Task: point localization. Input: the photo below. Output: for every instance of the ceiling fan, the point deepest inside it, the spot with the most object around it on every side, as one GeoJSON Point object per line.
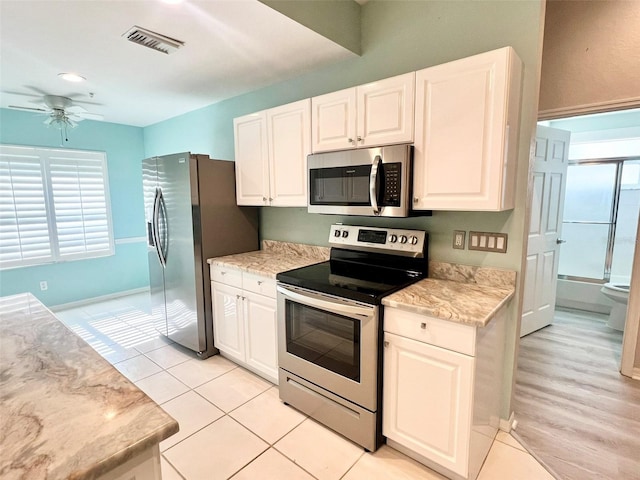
{"type": "Point", "coordinates": [61, 112]}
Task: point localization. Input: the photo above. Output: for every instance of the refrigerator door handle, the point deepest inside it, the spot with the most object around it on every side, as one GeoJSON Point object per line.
{"type": "Point", "coordinates": [162, 238]}
{"type": "Point", "coordinates": [156, 237]}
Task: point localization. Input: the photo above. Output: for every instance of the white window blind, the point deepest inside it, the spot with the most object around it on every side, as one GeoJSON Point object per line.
{"type": "Point", "coordinates": [54, 206]}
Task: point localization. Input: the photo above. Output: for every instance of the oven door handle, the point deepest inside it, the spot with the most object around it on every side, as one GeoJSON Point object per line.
{"type": "Point", "coordinates": [317, 301]}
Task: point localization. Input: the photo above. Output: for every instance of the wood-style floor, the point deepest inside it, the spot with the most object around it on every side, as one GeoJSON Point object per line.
{"type": "Point", "coordinates": [574, 409]}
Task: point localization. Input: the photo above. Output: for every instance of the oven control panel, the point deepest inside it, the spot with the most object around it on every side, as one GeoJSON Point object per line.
{"type": "Point", "coordinates": [385, 240]}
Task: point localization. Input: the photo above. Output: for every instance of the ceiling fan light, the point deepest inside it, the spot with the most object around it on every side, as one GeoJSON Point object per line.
{"type": "Point", "coordinates": [71, 77]}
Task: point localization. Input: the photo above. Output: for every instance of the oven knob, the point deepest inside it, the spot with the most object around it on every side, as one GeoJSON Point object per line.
{"type": "Point", "coordinates": [345, 233]}
{"type": "Point", "coordinates": [393, 238]}
{"type": "Point", "coordinates": [403, 239]}
{"type": "Point", "coordinates": [336, 233]}
{"type": "Point", "coordinates": [413, 240]}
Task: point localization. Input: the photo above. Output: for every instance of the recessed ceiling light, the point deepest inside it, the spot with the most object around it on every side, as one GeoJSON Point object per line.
{"type": "Point", "coordinates": [71, 77]}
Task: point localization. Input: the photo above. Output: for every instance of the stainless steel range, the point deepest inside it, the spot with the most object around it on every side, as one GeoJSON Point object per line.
{"type": "Point", "coordinates": [330, 326]}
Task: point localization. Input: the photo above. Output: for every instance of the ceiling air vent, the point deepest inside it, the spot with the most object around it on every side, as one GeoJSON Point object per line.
{"type": "Point", "coordinates": [153, 40]}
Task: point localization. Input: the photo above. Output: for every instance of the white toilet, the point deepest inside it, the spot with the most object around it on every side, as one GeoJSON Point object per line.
{"type": "Point", "coordinates": [619, 295]}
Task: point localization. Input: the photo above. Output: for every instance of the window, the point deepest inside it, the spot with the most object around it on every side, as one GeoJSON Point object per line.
{"type": "Point", "coordinates": [54, 206]}
{"type": "Point", "coordinates": [601, 207]}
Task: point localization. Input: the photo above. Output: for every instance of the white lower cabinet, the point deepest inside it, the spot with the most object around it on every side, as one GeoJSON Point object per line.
{"type": "Point", "coordinates": [244, 322]}
{"type": "Point", "coordinates": [441, 406]}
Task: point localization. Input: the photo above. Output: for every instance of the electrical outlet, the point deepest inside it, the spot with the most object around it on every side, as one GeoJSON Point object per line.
{"type": "Point", "coordinates": [43, 285]}
{"type": "Point", "coordinates": [458, 239]}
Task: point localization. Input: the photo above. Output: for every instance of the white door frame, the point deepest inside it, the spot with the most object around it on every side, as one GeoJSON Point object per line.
{"type": "Point", "coordinates": [631, 338]}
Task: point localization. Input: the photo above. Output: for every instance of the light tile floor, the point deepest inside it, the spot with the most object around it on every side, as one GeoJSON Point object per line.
{"type": "Point", "coordinates": [232, 423]}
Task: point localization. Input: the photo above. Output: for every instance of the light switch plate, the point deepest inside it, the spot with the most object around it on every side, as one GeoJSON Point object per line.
{"type": "Point", "coordinates": [488, 242]}
{"type": "Point", "coordinates": [458, 239]}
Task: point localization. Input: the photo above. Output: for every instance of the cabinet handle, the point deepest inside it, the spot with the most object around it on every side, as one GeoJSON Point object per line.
{"type": "Point", "coordinates": [423, 326]}
{"type": "Point", "coordinates": [270, 199]}
{"type": "Point", "coordinates": [386, 344]}
{"type": "Point", "coordinates": [237, 297]}
{"type": "Point", "coordinates": [223, 273]}
{"type": "Point", "coordinates": [360, 139]}
{"type": "Point", "coordinates": [415, 200]}
{"type": "Point", "coordinates": [259, 282]}
{"type": "Point", "coordinates": [350, 140]}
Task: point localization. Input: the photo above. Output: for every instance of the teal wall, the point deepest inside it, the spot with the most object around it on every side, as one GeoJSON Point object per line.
{"type": "Point", "coordinates": [397, 37]}
{"type": "Point", "coordinates": [82, 279]}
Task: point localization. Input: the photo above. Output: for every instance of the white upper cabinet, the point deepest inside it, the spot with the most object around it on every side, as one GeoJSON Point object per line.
{"type": "Point", "coordinates": [378, 113]}
{"type": "Point", "coordinates": [271, 155]}
{"type": "Point", "coordinates": [289, 140]}
{"type": "Point", "coordinates": [466, 132]}
{"type": "Point", "coordinates": [252, 159]}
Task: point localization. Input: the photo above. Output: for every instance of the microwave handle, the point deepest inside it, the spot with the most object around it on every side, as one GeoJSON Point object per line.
{"type": "Point", "coordinates": [373, 184]}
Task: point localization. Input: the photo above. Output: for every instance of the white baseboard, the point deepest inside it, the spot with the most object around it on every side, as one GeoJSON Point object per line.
{"type": "Point", "coordinates": [102, 298]}
{"type": "Point", "coordinates": [635, 373]}
{"type": "Point", "coordinates": [508, 425]}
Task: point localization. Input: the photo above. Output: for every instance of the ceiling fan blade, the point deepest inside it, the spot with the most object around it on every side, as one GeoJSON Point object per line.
{"type": "Point", "coordinates": [89, 116]}
{"type": "Point", "coordinates": [39, 92]}
{"type": "Point", "coordinates": [75, 109]}
{"type": "Point", "coordinates": [48, 121]}
{"type": "Point", "coordinates": [31, 109]}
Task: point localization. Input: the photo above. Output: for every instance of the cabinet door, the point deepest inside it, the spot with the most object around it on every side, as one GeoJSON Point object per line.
{"type": "Point", "coordinates": [467, 115]}
{"type": "Point", "coordinates": [385, 111]}
{"type": "Point", "coordinates": [427, 398]}
{"type": "Point", "coordinates": [289, 139]}
{"type": "Point", "coordinates": [333, 121]}
{"type": "Point", "coordinates": [252, 159]}
{"type": "Point", "coordinates": [261, 338]}
{"type": "Point", "coordinates": [228, 325]}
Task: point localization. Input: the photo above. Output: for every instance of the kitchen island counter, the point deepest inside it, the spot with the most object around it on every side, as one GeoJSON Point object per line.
{"type": "Point", "coordinates": [65, 412]}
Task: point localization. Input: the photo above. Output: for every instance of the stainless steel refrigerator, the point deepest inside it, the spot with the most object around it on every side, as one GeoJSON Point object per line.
{"type": "Point", "coordinates": [191, 216]}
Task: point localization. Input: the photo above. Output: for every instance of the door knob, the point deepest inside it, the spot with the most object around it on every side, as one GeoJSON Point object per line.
{"type": "Point", "coordinates": [559, 241]}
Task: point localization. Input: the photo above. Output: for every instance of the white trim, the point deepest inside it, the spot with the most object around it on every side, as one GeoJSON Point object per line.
{"type": "Point", "coordinates": [508, 425]}
{"type": "Point", "coordinates": [636, 373]}
{"type": "Point", "coordinates": [101, 298]}
{"type": "Point", "coordinates": [598, 107]}
{"type": "Point", "coordinates": [125, 240]}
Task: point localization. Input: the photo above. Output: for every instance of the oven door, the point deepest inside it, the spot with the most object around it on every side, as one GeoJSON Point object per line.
{"type": "Point", "coordinates": [329, 341]}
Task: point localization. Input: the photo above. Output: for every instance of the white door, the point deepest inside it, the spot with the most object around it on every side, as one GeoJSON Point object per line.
{"type": "Point", "coordinates": [385, 111]}
{"type": "Point", "coordinates": [333, 121]}
{"type": "Point", "coordinates": [289, 131]}
{"type": "Point", "coordinates": [260, 334]}
{"type": "Point", "coordinates": [228, 327]}
{"type": "Point", "coordinates": [547, 203]}
{"type": "Point", "coordinates": [427, 399]}
{"type": "Point", "coordinates": [466, 127]}
{"type": "Point", "coordinates": [252, 159]}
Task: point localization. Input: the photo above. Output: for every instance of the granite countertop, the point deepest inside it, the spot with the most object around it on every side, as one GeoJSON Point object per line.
{"type": "Point", "coordinates": [460, 293]}
{"type": "Point", "coordinates": [275, 257]}
{"type": "Point", "coordinates": [65, 412]}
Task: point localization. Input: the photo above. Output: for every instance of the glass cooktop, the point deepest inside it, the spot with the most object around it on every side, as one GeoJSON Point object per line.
{"type": "Point", "coordinates": [364, 283]}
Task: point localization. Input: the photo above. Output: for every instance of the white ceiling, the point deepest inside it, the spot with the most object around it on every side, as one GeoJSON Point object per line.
{"type": "Point", "coordinates": [231, 47]}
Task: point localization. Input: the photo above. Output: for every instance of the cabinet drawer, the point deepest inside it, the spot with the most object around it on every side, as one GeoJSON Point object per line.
{"type": "Point", "coordinates": [259, 284]}
{"type": "Point", "coordinates": [441, 333]}
{"type": "Point", "coordinates": [228, 276]}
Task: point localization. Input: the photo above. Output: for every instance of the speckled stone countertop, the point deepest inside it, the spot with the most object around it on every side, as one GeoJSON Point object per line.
{"type": "Point", "coordinates": [65, 412]}
{"type": "Point", "coordinates": [460, 293]}
{"type": "Point", "coordinates": [275, 257]}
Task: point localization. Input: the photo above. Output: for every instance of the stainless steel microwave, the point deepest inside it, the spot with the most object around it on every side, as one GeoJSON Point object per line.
{"type": "Point", "coordinates": [366, 181]}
